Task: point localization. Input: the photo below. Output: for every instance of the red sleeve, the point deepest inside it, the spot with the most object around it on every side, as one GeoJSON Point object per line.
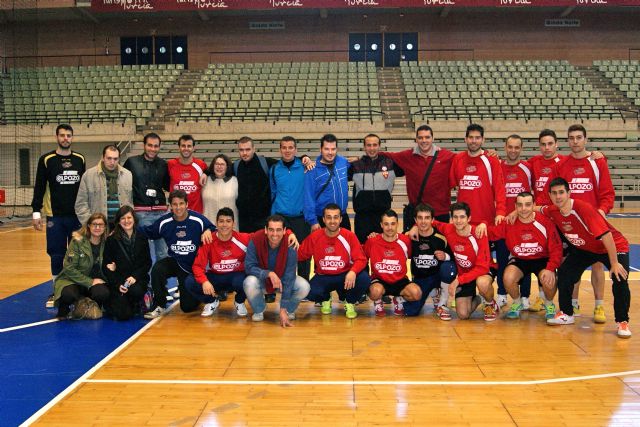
{"type": "Point", "coordinates": [407, 243]}
{"type": "Point", "coordinates": [357, 254]}
{"type": "Point", "coordinates": [606, 193]}
{"type": "Point", "coordinates": [595, 223]}
{"type": "Point", "coordinates": [200, 264]}
{"type": "Point", "coordinates": [453, 182]}
{"type": "Point", "coordinates": [482, 263]}
{"type": "Point", "coordinates": [305, 251]}
{"type": "Point", "coordinates": [554, 245]}
{"type": "Point", "coordinates": [499, 192]}
{"type": "Point", "coordinates": [443, 227]}
{"type": "Point", "coordinates": [367, 248]}
{"type": "Point", "coordinates": [398, 158]}
{"type": "Point", "coordinates": [497, 232]}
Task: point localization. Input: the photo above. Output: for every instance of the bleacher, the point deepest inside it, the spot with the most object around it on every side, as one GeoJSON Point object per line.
{"type": "Point", "coordinates": [85, 94]}
{"type": "Point", "coordinates": [625, 75]}
{"type": "Point", "coordinates": [481, 90]}
{"type": "Point", "coordinates": [285, 91]}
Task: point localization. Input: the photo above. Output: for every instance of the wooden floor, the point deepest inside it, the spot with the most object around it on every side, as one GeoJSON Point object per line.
{"type": "Point", "coordinates": [183, 370]}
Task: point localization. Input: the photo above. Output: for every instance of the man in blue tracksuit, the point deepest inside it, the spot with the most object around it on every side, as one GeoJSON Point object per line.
{"type": "Point", "coordinates": [327, 183]}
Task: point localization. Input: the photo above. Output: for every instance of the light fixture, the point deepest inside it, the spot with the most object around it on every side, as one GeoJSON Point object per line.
{"type": "Point", "coordinates": [392, 46]}
{"type": "Point", "coordinates": [179, 49]}
{"type": "Point", "coordinates": [127, 51]}
{"type": "Point", "coordinates": [409, 46]}
{"type": "Point", "coordinates": [374, 46]}
{"type": "Point", "coordinates": [163, 49]}
{"type": "Point", "coordinates": [145, 50]}
{"type": "Point", "coordinates": [356, 46]}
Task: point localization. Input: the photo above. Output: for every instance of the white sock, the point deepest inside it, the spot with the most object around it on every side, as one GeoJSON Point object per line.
{"type": "Point", "coordinates": [599, 302]}
{"type": "Point", "coordinates": [444, 294]}
{"type": "Point", "coordinates": [517, 301]}
{"type": "Point", "coordinates": [574, 302]}
{"type": "Point", "coordinates": [399, 299]}
{"type": "Point", "coordinates": [541, 294]}
{"type": "Point", "coordinates": [546, 301]}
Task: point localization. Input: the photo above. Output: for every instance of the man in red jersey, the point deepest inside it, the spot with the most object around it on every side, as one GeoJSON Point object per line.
{"type": "Point", "coordinates": [542, 165]}
{"type": "Point", "coordinates": [535, 248]}
{"type": "Point", "coordinates": [339, 263]}
{"type": "Point", "coordinates": [479, 179]}
{"type": "Point", "coordinates": [592, 240]}
{"type": "Point", "coordinates": [589, 180]}
{"type": "Point", "coordinates": [388, 254]}
{"type": "Point", "coordinates": [473, 260]}
{"type": "Point", "coordinates": [185, 172]}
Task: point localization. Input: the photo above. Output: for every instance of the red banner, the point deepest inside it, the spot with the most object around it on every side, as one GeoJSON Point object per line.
{"type": "Point", "coordinates": [158, 5]}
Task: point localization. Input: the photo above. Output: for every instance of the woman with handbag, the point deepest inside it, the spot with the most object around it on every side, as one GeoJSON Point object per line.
{"type": "Point", "coordinates": [126, 264]}
{"type": "Point", "coordinates": [81, 275]}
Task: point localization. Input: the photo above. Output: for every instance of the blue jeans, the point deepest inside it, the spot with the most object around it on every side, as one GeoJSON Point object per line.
{"type": "Point", "coordinates": [59, 229]}
{"type": "Point", "coordinates": [148, 218]}
{"type": "Point", "coordinates": [502, 256]}
{"type": "Point", "coordinates": [323, 284]}
{"type": "Point", "coordinates": [230, 282]}
{"type": "Point", "coordinates": [254, 288]}
{"type": "Point", "coordinates": [448, 272]}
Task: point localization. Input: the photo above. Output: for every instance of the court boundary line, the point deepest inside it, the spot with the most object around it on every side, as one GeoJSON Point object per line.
{"type": "Point", "coordinates": [82, 379]}
{"type": "Point", "coordinates": [365, 382]}
{"type": "Point", "coordinates": [15, 229]}
{"type": "Point", "coordinates": [28, 325]}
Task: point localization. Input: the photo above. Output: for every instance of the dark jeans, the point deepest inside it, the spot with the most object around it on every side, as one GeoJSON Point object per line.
{"type": "Point", "coordinates": [301, 229]}
{"type": "Point", "coordinates": [366, 223]}
{"type": "Point", "coordinates": [571, 270]}
{"type": "Point", "coordinates": [72, 294]}
{"type": "Point", "coordinates": [160, 272]}
{"type": "Point", "coordinates": [123, 306]}
{"type": "Point", "coordinates": [59, 229]}
{"type": "Point", "coordinates": [323, 284]}
{"type": "Point", "coordinates": [447, 273]}
{"type": "Point", "coordinates": [502, 256]}
{"type": "Point", "coordinates": [229, 282]}
{"type": "Point", "coordinates": [346, 223]}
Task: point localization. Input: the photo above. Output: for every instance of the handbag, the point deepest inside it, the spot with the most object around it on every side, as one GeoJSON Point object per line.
{"type": "Point", "coordinates": [408, 210]}
{"type": "Point", "coordinates": [87, 308]}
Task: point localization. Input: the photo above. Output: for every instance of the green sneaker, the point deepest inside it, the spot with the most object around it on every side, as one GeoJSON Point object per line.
{"type": "Point", "coordinates": [550, 311]}
{"type": "Point", "coordinates": [326, 307]}
{"type": "Point", "coordinates": [514, 311]}
{"type": "Point", "coordinates": [350, 311]}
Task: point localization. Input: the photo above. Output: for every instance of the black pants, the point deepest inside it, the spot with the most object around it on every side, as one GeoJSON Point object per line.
{"type": "Point", "coordinates": [72, 294]}
{"type": "Point", "coordinates": [344, 224]}
{"type": "Point", "coordinates": [161, 271]}
{"type": "Point", "coordinates": [301, 229]}
{"type": "Point", "coordinates": [123, 306]}
{"type": "Point", "coordinates": [571, 270]}
{"type": "Point", "coordinates": [366, 223]}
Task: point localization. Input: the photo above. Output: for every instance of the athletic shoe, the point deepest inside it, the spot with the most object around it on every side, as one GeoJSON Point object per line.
{"type": "Point", "coordinates": [155, 313]}
{"type": "Point", "coordinates": [326, 307]}
{"type": "Point", "coordinates": [378, 308]}
{"type": "Point", "coordinates": [350, 311]}
{"type": "Point", "coordinates": [176, 294]}
{"type": "Point", "coordinates": [550, 311]}
{"type": "Point", "coordinates": [291, 316]}
{"type": "Point", "coordinates": [491, 311]}
{"type": "Point", "coordinates": [501, 300]}
{"type": "Point", "coordinates": [50, 302]}
{"type": "Point", "coordinates": [514, 311]}
{"type": "Point", "coordinates": [598, 314]}
{"type": "Point", "coordinates": [210, 308]}
{"type": "Point", "coordinates": [525, 303]}
{"type": "Point", "coordinates": [398, 308]}
{"type": "Point", "coordinates": [623, 330]}
{"type": "Point", "coordinates": [538, 305]}
{"type": "Point", "coordinates": [576, 310]}
{"type": "Point", "coordinates": [257, 317]}
{"type": "Point", "coordinates": [362, 299]}
{"type": "Point", "coordinates": [270, 298]}
{"type": "Point", "coordinates": [386, 299]}
{"type": "Point", "coordinates": [443, 313]}
{"type": "Point", "coordinates": [435, 296]}
{"type": "Point", "coordinates": [561, 319]}
{"type": "Point", "coordinates": [241, 310]}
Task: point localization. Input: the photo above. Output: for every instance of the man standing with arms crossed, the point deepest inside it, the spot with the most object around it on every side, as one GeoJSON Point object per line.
{"type": "Point", "coordinates": [55, 191]}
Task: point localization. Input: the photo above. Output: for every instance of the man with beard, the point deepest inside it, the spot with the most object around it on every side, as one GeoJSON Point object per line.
{"type": "Point", "coordinates": [185, 172]}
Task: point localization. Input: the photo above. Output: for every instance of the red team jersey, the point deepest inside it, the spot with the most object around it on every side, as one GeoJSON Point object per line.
{"type": "Point", "coordinates": [333, 255]}
{"type": "Point", "coordinates": [517, 178]}
{"type": "Point", "coordinates": [589, 180]}
{"type": "Point", "coordinates": [535, 240]}
{"type": "Point", "coordinates": [541, 169]}
{"type": "Point", "coordinates": [479, 181]}
{"type": "Point", "coordinates": [584, 226]}
{"type": "Point", "coordinates": [222, 257]}
{"type": "Point", "coordinates": [388, 259]}
{"type": "Point", "coordinates": [471, 254]}
{"type": "Point", "coordinates": [187, 178]}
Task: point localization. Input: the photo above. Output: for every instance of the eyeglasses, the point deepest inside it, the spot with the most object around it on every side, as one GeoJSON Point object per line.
{"type": "Point", "coordinates": [94, 225]}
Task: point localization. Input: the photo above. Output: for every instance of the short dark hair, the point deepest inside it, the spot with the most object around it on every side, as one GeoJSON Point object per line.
{"type": "Point", "coordinates": [228, 172]}
{"type": "Point", "coordinates": [245, 139]}
{"type": "Point", "coordinates": [423, 207]}
{"type": "Point", "coordinates": [371, 135]}
{"type": "Point", "coordinates": [424, 127]}
{"type": "Point", "coordinates": [180, 194]}
{"type": "Point", "coordinates": [331, 207]}
{"type": "Point", "coordinates": [577, 127]}
{"type": "Point", "coordinates": [389, 213]}
{"type": "Point", "coordinates": [110, 147]}
{"type": "Point", "coordinates": [328, 138]}
{"type": "Point", "coordinates": [225, 212]}
{"type": "Point", "coordinates": [118, 231]}
{"type": "Point", "coordinates": [152, 135]}
{"type": "Point", "coordinates": [559, 181]}
{"type": "Point", "coordinates": [276, 218]}
{"type": "Point", "coordinates": [460, 206]}
{"type": "Point", "coordinates": [289, 139]}
{"type": "Point", "coordinates": [65, 127]}
{"type": "Point", "coordinates": [474, 127]}
{"type": "Point", "coordinates": [525, 194]}
{"type": "Point", "coordinates": [186, 137]}
{"type": "Point", "coordinates": [514, 136]}
{"type": "Point", "coordinates": [547, 132]}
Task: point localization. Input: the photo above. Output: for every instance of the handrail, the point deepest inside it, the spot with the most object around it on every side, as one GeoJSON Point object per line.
{"type": "Point", "coordinates": [43, 118]}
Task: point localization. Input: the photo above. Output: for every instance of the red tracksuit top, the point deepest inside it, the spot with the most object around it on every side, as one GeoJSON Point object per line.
{"type": "Point", "coordinates": [388, 260]}
{"type": "Point", "coordinates": [333, 255]}
{"type": "Point", "coordinates": [222, 257]}
{"type": "Point", "coordinates": [517, 178]}
{"type": "Point", "coordinates": [541, 169]}
{"type": "Point", "coordinates": [187, 178]}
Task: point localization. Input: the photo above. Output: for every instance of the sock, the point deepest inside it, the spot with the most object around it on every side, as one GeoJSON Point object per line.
{"type": "Point", "coordinates": [574, 302]}
{"type": "Point", "coordinates": [378, 301]}
{"type": "Point", "coordinates": [541, 294]}
{"type": "Point", "coordinates": [444, 294]}
{"type": "Point", "coordinates": [399, 299]}
{"type": "Point", "coordinates": [517, 301]}
{"type": "Point", "coordinates": [599, 302]}
{"type": "Point", "coordinates": [546, 301]}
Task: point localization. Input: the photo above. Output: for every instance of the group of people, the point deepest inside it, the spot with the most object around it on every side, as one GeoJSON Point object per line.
{"type": "Point", "coordinates": [252, 227]}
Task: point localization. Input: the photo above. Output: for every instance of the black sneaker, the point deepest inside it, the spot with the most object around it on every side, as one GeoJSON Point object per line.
{"type": "Point", "coordinates": [362, 299]}
{"type": "Point", "coordinates": [270, 298]}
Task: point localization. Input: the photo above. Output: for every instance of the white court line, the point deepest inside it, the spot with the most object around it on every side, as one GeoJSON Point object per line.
{"type": "Point", "coordinates": [15, 229]}
{"type": "Point", "coordinates": [33, 418]}
{"type": "Point", "coordinates": [352, 382]}
{"type": "Point", "coordinates": [28, 325]}
{"type": "Point", "coordinates": [634, 269]}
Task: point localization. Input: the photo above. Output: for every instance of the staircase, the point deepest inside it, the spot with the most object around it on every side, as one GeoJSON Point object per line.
{"type": "Point", "coordinates": [608, 90]}
{"type": "Point", "coordinates": [174, 100]}
{"type": "Point", "coordinates": [393, 100]}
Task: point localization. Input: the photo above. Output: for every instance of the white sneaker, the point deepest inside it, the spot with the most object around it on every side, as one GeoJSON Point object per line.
{"type": "Point", "coordinates": [257, 317]}
{"type": "Point", "coordinates": [155, 313]}
{"type": "Point", "coordinates": [50, 302]}
{"type": "Point", "coordinates": [525, 303]}
{"type": "Point", "coordinates": [291, 316]}
{"type": "Point", "coordinates": [210, 308]}
{"type": "Point", "coordinates": [623, 330]}
{"type": "Point", "coordinates": [241, 310]}
{"type": "Point", "coordinates": [561, 319]}
{"type": "Point", "coordinates": [501, 300]}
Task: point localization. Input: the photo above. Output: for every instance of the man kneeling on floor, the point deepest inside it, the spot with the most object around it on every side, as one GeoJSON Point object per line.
{"type": "Point", "coordinates": [271, 265]}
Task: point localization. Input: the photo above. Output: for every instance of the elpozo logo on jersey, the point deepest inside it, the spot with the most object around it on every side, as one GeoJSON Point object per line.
{"type": "Point", "coordinates": [580, 185]}
{"type": "Point", "coordinates": [575, 240]}
{"type": "Point", "coordinates": [470, 182]}
{"type": "Point", "coordinates": [388, 266]}
{"type": "Point", "coordinates": [186, 186]}
{"type": "Point", "coordinates": [425, 261]}
{"type": "Point", "coordinates": [183, 247]}
{"type": "Point", "coordinates": [332, 263]}
{"type": "Point", "coordinates": [68, 177]}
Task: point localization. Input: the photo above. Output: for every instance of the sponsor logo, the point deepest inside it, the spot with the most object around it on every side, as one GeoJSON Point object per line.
{"type": "Point", "coordinates": [389, 252]}
{"type": "Point", "coordinates": [546, 171]}
{"type": "Point", "coordinates": [226, 265]}
{"type": "Point", "coordinates": [567, 227]}
{"type": "Point", "coordinates": [423, 246]}
{"type": "Point", "coordinates": [388, 266]}
{"type": "Point", "coordinates": [68, 177]}
{"type": "Point", "coordinates": [578, 171]}
{"type": "Point", "coordinates": [183, 247]}
{"type": "Point", "coordinates": [471, 169]}
{"type": "Point", "coordinates": [580, 185]}
{"type": "Point", "coordinates": [66, 164]}
{"type": "Point", "coordinates": [514, 188]}
{"type": "Point", "coordinates": [439, 2]}
{"type": "Point", "coordinates": [225, 253]}
{"type": "Point", "coordinates": [185, 175]}
{"type": "Point", "coordinates": [458, 248]}
{"type": "Point", "coordinates": [329, 250]}
{"type": "Point", "coordinates": [574, 239]}
{"type": "Point", "coordinates": [425, 261]}
{"type": "Point", "coordinates": [463, 261]}
{"type": "Point", "coordinates": [527, 236]}
{"type": "Point", "coordinates": [512, 176]}
{"type": "Point", "coordinates": [332, 263]}
{"type": "Point", "coordinates": [186, 186]}
{"type": "Point", "coordinates": [526, 249]}
{"type": "Point", "coordinates": [470, 182]}
{"type": "Point", "coordinates": [180, 234]}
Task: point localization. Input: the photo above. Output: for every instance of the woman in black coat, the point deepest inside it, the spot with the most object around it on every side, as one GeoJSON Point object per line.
{"type": "Point", "coordinates": [126, 263]}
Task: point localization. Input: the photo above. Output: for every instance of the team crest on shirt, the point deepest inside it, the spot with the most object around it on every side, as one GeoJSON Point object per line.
{"type": "Point", "coordinates": [578, 171]}
{"type": "Point", "coordinates": [567, 227]}
{"type": "Point", "coordinates": [329, 250]}
{"type": "Point", "coordinates": [471, 169]}
{"type": "Point", "coordinates": [181, 234]}
{"type": "Point", "coordinates": [389, 253]}
{"type": "Point", "coordinates": [527, 236]}
{"type": "Point", "coordinates": [424, 246]}
{"type": "Point", "coordinates": [66, 164]}
{"type": "Point", "coordinates": [546, 171]}
{"type": "Point", "coordinates": [512, 176]}
{"type": "Point", "coordinates": [225, 253]}
{"type": "Point", "coordinates": [458, 248]}
{"type": "Point", "coordinates": [185, 175]}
